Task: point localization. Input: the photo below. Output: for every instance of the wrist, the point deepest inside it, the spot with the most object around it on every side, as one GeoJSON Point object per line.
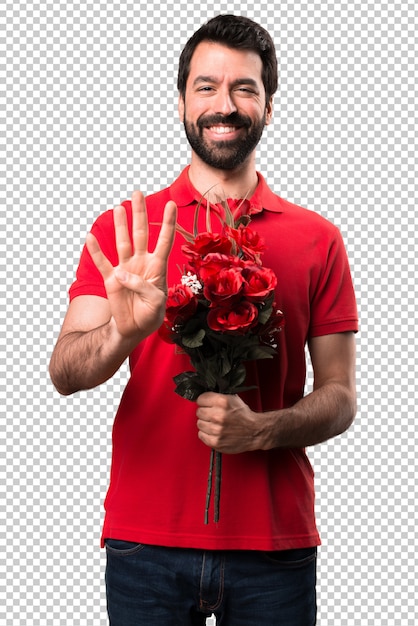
{"type": "Point", "coordinates": [270, 435]}
{"type": "Point", "coordinates": [122, 342]}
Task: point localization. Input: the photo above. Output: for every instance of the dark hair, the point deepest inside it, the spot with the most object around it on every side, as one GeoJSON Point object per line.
{"type": "Point", "coordinates": [238, 32]}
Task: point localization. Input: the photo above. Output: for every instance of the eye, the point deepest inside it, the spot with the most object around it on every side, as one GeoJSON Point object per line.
{"type": "Point", "coordinates": [246, 91]}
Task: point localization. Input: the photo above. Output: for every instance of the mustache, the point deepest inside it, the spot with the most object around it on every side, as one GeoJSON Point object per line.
{"type": "Point", "coordinates": [233, 119]}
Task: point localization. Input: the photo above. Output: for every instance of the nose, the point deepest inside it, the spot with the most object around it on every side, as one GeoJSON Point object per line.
{"type": "Point", "coordinates": [224, 103]}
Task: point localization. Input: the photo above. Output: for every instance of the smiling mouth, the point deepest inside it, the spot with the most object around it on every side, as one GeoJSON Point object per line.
{"type": "Point", "coordinates": [223, 130]}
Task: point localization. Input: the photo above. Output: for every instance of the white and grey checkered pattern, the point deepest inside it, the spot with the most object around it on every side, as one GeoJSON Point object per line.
{"type": "Point", "coordinates": [88, 114]}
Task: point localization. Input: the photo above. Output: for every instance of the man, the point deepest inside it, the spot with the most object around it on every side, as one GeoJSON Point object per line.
{"type": "Point", "coordinates": [256, 566]}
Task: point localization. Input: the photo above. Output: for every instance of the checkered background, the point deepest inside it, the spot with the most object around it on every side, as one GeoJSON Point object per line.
{"type": "Point", "coordinates": [88, 113]}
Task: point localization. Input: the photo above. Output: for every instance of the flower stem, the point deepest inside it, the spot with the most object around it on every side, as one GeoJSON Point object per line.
{"type": "Point", "coordinates": [218, 475]}
{"type": "Point", "coordinates": [215, 462]}
{"type": "Point", "coordinates": [209, 489]}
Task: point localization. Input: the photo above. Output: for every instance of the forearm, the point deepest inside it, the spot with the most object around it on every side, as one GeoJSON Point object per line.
{"type": "Point", "coordinates": [325, 413]}
{"type": "Point", "coordinates": [83, 360]}
{"type": "Point", "coordinates": [228, 425]}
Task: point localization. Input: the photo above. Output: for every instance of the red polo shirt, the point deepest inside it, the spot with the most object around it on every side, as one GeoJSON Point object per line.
{"type": "Point", "coordinates": [159, 466]}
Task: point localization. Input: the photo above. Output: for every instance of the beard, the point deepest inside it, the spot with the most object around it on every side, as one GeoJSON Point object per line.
{"type": "Point", "coordinates": [224, 155]}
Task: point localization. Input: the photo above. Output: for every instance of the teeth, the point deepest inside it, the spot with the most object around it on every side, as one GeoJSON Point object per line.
{"type": "Point", "coordinates": [222, 130]}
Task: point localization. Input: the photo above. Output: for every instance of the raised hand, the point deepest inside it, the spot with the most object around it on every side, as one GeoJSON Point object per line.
{"type": "Point", "coordinates": [137, 287]}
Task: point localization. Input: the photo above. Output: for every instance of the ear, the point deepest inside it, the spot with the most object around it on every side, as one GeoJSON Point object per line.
{"type": "Point", "coordinates": [181, 108]}
{"type": "Point", "coordinates": [269, 111]}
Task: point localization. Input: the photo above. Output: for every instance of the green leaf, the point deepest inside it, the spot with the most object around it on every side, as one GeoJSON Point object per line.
{"type": "Point", "coordinates": [189, 391]}
{"type": "Point", "coordinates": [189, 385]}
{"type": "Point", "coordinates": [225, 364]}
{"type": "Point", "coordinates": [208, 371]}
{"type": "Point", "coordinates": [264, 315]}
{"type": "Point", "coordinates": [218, 363]}
{"type": "Point", "coordinates": [184, 376]}
{"type": "Point", "coordinates": [194, 341]}
{"type": "Point", "coordinates": [238, 376]}
{"type": "Point", "coordinates": [260, 352]}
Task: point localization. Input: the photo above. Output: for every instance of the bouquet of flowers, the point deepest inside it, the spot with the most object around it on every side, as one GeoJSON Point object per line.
{"type": "Point", "coordinates": [222, 313]}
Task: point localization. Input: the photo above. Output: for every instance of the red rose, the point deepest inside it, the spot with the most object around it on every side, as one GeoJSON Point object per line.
{"type": "Point", "coordinates": [238, 320]}
{"type": "Point", "coordinates": [214, 262]}
{"type": "Point", "coordinates": [259, 282]}
{"type": "Point", "coordinates": [225, 287]}
{"type": "Point", "coordinates": [239, 207]}
{"type": "Point", "coordinates": [206, 243]}
{"type": "Point", "coordinates": [180, 306]}
{"type": "Point", "coordinates": [248, 241]}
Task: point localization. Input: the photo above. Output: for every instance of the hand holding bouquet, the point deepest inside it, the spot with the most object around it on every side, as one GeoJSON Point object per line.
{"type": "Point", "coordinates": [221, 314]}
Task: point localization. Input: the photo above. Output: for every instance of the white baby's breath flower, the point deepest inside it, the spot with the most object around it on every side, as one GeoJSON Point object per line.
{"type": "Point", "coordinates": [190, 280]}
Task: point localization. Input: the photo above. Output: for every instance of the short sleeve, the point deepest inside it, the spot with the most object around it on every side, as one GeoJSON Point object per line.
{"type": "Point", "coordinates": [88, 279]}
{"type": "Point", "coordinates": [333, 302]}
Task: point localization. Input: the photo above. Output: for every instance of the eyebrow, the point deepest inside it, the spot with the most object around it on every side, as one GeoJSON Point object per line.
{"type": "Point", "coordinates": [214, 80]}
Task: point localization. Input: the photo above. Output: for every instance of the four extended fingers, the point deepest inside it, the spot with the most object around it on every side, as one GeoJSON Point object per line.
{"type": "Point", "coordinates": [139, 234]}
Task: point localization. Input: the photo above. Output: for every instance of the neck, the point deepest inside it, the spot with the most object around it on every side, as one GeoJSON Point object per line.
{"type": "Point", "coordinates": [238, 183]}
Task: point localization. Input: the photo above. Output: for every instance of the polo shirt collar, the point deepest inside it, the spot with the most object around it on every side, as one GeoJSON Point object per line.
{"type": "Point", "coordinates": [184, 194]}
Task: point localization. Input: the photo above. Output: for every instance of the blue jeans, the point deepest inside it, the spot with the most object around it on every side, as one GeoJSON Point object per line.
{"type": "Point", "coordinates": [155, 586]}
